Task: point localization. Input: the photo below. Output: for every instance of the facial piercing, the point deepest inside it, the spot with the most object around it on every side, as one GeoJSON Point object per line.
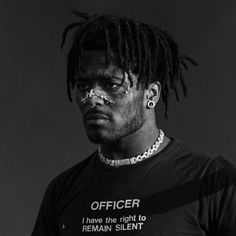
{"type": "Point", "coordinates": [92, 93]}
{"type": "Point", "coordinates": [87, 95]}
{"type": "Point", "coordinates": [151, 104]}
{"type": "Point", "coordinates": [92, 106]}
{"type": "Point", "coordinates": [126, 92]}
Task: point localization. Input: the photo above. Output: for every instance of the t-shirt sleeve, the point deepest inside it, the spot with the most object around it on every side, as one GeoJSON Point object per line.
{"type": "Point", "coordinates": [46, 222]}
{"type": "Point", "coordinates": [219, 199]}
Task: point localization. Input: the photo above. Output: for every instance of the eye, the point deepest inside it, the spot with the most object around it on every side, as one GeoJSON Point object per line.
{"type": "Point", "coordinates": [112, 85]}
{"type": "Point", "coordinates": [82, 86]}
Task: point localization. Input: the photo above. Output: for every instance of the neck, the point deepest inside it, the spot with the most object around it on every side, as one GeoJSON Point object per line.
{"type": "Point", "coordinates": [132, 144]}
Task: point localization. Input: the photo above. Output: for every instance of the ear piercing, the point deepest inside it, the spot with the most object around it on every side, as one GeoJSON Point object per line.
{"type": "Point", "coordinates": [151, 104]}
{"type": "Point", "coordinates": [91, 93]}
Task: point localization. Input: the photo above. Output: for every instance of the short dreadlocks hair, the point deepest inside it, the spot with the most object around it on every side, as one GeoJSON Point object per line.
{"type": "Point", "coordinates": [140, 48]}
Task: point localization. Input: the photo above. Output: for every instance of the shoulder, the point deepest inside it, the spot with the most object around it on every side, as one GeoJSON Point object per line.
{"type": "Point", "coordinates": [63, 181]}
{"type": "Point", "coordinates": [74, 170]}
{"type": "Point", "coordinates": [202, 162]}
{"type": "Point", "coordinates": [191, 151]}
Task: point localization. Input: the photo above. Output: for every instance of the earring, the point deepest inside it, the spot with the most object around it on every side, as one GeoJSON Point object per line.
{"type": "Point", "coordinates": [151, 104]}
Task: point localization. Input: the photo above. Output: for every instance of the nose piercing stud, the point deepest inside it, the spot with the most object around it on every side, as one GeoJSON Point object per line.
{"type": "Point", "coordinates": [92, 106]}
{"type": "Point", "coordinates": [92, 93]}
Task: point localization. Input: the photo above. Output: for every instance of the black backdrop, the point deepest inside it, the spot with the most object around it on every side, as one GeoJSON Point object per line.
{"type": "Point", "coordinates": [41, 132]}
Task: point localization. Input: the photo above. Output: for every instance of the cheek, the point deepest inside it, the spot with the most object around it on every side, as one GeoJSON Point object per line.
{"type": "Point", "coordinates": [124, 112]}
{"type": "Point", "coordinates": [129, 104]}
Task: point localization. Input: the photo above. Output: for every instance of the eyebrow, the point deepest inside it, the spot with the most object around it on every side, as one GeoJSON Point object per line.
{"type": "Point", "coordinates": [94, 77]}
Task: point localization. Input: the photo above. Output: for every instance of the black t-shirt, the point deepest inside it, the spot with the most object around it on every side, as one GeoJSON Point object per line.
{"type": "Point", "coordinates": [178, 192]}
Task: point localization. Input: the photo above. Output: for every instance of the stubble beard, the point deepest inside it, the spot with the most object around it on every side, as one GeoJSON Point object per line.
{"type": "Point", "coordinates": [113, 136]}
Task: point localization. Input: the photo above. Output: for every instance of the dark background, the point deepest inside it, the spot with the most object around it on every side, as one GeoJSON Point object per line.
{"type": "Point", "coordinates": [41, 132]}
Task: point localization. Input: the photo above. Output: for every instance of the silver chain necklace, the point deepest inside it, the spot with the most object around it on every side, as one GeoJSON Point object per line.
{"type": "Point", "coordinates": [136, 159]}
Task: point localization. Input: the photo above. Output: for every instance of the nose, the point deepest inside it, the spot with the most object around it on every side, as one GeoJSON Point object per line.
{"type": "Point", "coordinates": [95, 98]}
{"type": "Point", "coordinates": [94, 101]}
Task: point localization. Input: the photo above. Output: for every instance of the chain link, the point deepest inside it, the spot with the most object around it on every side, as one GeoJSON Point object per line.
{"type": "Point", "coordinates": [136, 159]}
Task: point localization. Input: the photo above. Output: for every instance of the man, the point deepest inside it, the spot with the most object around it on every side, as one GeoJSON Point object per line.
{"type": "Point", "coordinates": [139, 181]}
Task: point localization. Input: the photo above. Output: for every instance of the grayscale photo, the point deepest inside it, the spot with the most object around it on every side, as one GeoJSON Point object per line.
{"type": "Point", "coordinates": [118, 118]}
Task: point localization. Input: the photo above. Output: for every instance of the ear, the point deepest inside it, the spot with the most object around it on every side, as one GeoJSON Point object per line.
{"type": "Point", "coordinates": [153, 92]}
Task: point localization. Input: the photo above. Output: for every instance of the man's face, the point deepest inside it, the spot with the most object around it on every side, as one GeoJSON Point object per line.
{"type": "Point", "coordinates": [108, 122]}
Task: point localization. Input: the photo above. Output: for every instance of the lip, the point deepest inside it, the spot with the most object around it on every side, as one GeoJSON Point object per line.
{"type": "Point", "coordinates": [96, 116]}
{"type": "Point", "coordinates": [96, 122]}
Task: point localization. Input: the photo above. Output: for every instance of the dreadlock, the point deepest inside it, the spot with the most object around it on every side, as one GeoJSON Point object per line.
{"type": "Point", "coordinates": [141, 48]}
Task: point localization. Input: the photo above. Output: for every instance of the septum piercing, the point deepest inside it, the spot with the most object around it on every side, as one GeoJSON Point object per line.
{"type": "Point", "coordinates": [91, 93]}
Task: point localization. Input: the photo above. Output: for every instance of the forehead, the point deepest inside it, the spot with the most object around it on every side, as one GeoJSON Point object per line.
{"type": "Point", "coordinates": [94, 63]}
{"type": "Point", "coordinates": [92, 57]}
{"type": "Point", "coordinates": [95, 68]}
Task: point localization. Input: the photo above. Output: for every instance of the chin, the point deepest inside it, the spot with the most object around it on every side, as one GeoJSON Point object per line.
{"type": "Point", "coordinates": [100, 137]}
